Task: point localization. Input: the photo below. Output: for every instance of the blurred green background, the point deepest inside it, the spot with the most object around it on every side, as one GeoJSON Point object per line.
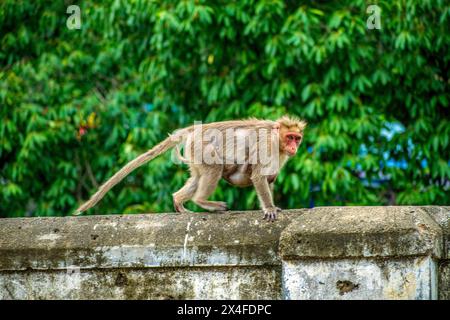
{"type": "Point", "coordinates": [76, 105]}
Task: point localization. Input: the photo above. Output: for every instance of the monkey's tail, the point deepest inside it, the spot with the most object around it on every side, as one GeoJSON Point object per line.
{"type": "Point", "coordinates": [160, 148]}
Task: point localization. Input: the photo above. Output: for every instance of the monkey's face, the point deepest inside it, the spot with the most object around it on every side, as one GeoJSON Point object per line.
{"type": "Point", "coordinates": [290, 138]}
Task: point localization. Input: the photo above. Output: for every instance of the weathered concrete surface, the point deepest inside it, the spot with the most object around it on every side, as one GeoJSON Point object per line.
{"type": "Point", "coordinates": [444, 280]}
{"type": "Point", "coordinates": [154, 256]}
{"type": "Point", "coordinates": [364, 253]}
{"type": "Point", "coordinates": [262, 282]}
{"type": "Point", "coordinates": [367, 279]}
{"type": "Point", "coordinates": [149, 240]}
{"type": "Point", "coordinates": [442, 216]}
{"type": "Point", "coordinates": [321, 253]}
{"type": "Point", "coordinates": [337, 232]}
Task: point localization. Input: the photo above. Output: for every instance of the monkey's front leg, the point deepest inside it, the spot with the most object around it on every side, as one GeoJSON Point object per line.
{"type": "Point", "coordinates": [271, 186]}
{"type": "Point", "coordinates": [265, 197]}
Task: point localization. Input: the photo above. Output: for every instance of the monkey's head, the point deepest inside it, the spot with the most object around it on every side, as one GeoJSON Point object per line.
{"type": "Point", "coordinates": [291, 134]}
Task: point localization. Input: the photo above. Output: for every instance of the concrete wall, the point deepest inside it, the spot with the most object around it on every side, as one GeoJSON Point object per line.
{"type": "Point", "coordinates": [321, 253]}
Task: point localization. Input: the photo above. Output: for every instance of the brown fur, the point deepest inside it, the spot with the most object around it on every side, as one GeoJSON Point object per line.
{"type": "Point", "coordinates": [205, 177]}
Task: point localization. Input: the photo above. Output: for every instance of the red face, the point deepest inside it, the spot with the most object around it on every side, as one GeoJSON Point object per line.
{"type": "Point", "coordinates": [291, 142]}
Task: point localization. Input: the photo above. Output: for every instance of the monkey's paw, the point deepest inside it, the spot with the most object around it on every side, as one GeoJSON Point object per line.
{"type": "Point", "coordinates": [218, 206]}
{"type": "Point", "coordinates": [214, 206]}
{"type": "Point", "coordinates": [270, 214]}
{"type": "Point", "coordinates": [180, 208]}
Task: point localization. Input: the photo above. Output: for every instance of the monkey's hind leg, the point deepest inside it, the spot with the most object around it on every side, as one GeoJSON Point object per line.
{"type": "Point", "coordinates": [209, 178]}
{"type": "Point", "coordinates": [185, 193]}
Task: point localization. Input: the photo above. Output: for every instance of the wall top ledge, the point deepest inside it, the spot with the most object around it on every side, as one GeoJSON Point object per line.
{"type": "Point", "coordinates": [141, 240]}
{"type": "Point", "coordinates": [228, 239]}
{"type": "Point", "coordinates": [369, 232]}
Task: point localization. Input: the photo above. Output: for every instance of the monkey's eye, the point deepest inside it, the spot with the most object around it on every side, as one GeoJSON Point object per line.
{"type": "Point", "coordinates": [290, 137]}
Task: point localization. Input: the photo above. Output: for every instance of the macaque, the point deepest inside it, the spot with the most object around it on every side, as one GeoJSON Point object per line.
{"type": "Point", "coordinates": [243, 152]}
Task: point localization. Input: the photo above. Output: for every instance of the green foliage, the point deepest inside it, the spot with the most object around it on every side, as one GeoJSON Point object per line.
{"type": "Point", "coordinates": [76, 105]}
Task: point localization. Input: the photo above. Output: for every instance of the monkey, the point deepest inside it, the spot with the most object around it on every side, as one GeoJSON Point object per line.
{"type": "Point", "coordinates": [242, 152]}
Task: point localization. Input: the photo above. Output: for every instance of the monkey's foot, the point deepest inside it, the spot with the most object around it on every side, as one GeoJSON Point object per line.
{"type": "Point", "coordinates": [180, 208]}
{"type": "Point", "coordinates": [212, 205]}
{"type": "Point", "coordinates": [270, 214]}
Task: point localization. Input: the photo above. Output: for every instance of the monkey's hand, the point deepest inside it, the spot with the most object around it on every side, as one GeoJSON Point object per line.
{"type": "Point", "coordinates": [270, 214]}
